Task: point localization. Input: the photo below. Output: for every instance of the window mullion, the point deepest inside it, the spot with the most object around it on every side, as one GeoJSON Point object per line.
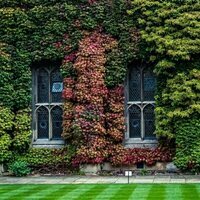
{"type": "Point", "coordinates": [142, 116]}
{"type": "Point", "coordinates": [36, 87]}
{"type": "Point", "coordinates": [142, 123]}
{"type": "Point", "coordinates": [50, 124]}
{"type": "Point", "coordinates": [141, 84]}
{"type": "Point", "coordinates": [127, 122]}
{"type": "Point", "coordinates": [127, 90]}
{"type": "Point", "coordinates": [36, 124]}
{"type": "Point", "coordinates": [35, 100]}
{"type": "Point", "coordinates": [49, 87]}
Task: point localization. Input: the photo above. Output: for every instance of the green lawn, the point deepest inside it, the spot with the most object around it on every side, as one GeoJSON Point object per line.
{"type": "Point", "coordinates": [101, 191]}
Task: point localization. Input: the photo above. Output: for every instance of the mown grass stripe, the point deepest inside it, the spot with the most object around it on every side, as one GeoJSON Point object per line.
{"type": "Point", "coordinates": [124, 192]}
{"type": "Point", "coordinates": [41, 192]}
{"type": "Point", "coordinates": [63, 190]}
{"type": "Point", "coordinates": [101, 192]}
{"type": "Point", "coordinates": [189, 192]}
{"type": "Point", "coordinates": [156, 192]}
{"type": "Point", "coordinates": [173, 192]}
{"type": "Point", "coordinates": [18, 189]}
{"type": "Point", "coordinates": [198, 188]}
{"type": "Point", "coordinates": [47, 191]}
{"type": "Point", "coordinates": [109, 193]}
{"type": "Point", "coordinates": [141, 192]}
{"type": "Point", "coordinates": [7, 188]}
{"type": "Point", "coordinates": [77, 192]}
{"type": "Point", "coordinates": [26, 194]}
{"type": "Point", "coordinates": [92, 193]}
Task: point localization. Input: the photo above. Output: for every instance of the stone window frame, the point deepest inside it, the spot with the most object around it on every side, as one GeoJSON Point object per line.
{"type": "Point", "coordinates": [140, 141]}
{"type": "Point", "coordinates": [50, 141]}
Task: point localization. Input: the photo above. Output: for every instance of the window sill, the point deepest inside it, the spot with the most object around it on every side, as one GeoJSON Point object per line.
{"type": "Point", "coordinates": [139, 143]}
{"type": "Point", "coordinates": [46, 143]}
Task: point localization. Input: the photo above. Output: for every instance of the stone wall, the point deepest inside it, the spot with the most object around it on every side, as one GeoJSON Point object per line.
{"type": "Point", "coordinates": [90, 169]}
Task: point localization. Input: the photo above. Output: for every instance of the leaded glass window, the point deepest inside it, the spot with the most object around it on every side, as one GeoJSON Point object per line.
{"type": "Point", "coordinates": [149, 120]}
{"type": "Point", "coordinates": [42, 122]}
{"type": "Point", "coordinates": [140, 103]}
{"type": "Point", "coordinates": [56, 115]}
{"type": "Point", "coordinates": [149, 84]}
{"type": "Point", "coordinates": [56, 86]}
{"type": "Point", "coordinates": [42, 86]}
{"type": "Point", "coordinates": [135, 121]}
{"type": "Point", "coordinates": [134, 85]}
{"type": "Point", "coordinates": [47, 116]}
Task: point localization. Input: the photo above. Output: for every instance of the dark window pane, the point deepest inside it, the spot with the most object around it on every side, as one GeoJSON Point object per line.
{"type": "Point", "coordinates": [56, 86]}
{"type": "Point", "coordinates": [43, 123]}
{"type": "Point", "coordinates": [149, 85]}
{"type": "Point", "coordinates": [56, 115]}
{"type": "Point", "coordinates": [149, 121]}
{"type": "Point", "coordinates": [43, 86]}
{"type": "Point", "coordinates": [134, 85]}
{"type": "Point", "coordinates": [135, 122]}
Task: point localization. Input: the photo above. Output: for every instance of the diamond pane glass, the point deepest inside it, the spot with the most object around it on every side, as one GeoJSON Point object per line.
{"type": "Point", "coordinates": [135, 122]}
{"type": "Point", "coordinates": [56, 115]}
{"type": "Point", "coordinates": [149, 85]}
{"type": "Point", "coordinates": [56, 86]}
{"type": "Point", "coordinates": [149, 121]}
{"type": "Point", "coordinates": [43, 123]}
{"type": "Point", "coordinates": [43, 86]}
{"type": "Point", "coordinates": [134, 85]}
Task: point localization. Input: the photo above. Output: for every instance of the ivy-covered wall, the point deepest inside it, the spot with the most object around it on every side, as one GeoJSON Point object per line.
{"type": "Point", "coordinates": [96, 41]}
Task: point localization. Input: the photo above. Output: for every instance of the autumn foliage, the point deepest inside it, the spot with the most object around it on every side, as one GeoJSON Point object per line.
{"type": "Point", "coordinates": [93, 113]}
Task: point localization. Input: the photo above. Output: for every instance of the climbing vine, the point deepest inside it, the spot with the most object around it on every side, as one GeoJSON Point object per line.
{"type": "Point", "coordinates": [171, 35]}
{"type": "Point", "coordinates": [96, 41]}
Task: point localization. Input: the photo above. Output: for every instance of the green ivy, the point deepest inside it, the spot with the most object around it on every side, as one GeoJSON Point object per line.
{"type": "Point", "coordinates": [188, 144]}
{"type": "Point", "coordinates": [169, 28]}
{"type": "Point", "coordinates": [164, 34]}
{"type": "Point", "coordinates": [43, 156]}
{"type": "Point", "coordinates": [6, 120]}
{"type": "Point", "coordinates": [6, 126]}
{"type": "Point", "coordinates": [6, 77]}
{"type": "Point", "coordinates": [22, 131]}
{"type": "Point", "coordinates": [19, 168]}
{"type": "Point", "coordinates": [14, 132]}
{"type": "Point", "coordinates": [180, 99]}
{"type": "Point", "coordinates": [5, 144]}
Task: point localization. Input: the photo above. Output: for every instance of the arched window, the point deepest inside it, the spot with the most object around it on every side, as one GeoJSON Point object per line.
{"type": "Point", "coordinates": [140, 103]}
{"type": "Point", "coordinates": [47, 105]}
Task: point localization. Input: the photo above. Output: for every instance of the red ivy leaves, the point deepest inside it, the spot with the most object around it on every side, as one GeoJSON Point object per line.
{"type": "Point", "coordinates": [122, 156]}
{"type": "Point", "coordinates": [70, 58]}
{"type": "Point", "coordinates": [94, 114]}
